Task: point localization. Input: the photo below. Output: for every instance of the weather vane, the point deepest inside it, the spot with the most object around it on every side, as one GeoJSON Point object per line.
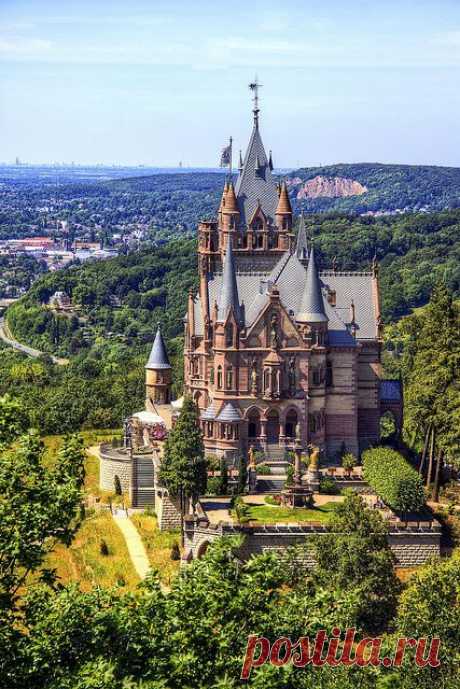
{"type": "Point", "coordinates": [254, 87]}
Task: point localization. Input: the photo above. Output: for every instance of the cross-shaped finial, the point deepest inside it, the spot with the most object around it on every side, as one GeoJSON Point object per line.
{"type": "Point", "coordinates": [254, 87]}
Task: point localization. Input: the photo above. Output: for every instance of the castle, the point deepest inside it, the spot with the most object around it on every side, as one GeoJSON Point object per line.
{"type": "Point", "coordinates": [274, 342]}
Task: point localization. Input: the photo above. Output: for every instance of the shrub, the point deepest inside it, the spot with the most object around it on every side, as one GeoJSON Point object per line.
{"type": "Point", "coordinates": [328, 486]}
{"type": "Point", "coordinates": [214, 486]}
{"type": "Point", "coordinates": [393, 479]}
{"type": "Point", "coordinates": [103, 548]}
{"type": "Point", "coordinates": [117, 485]}
{"type": "Point", "coordinates": [348, 462]}
{"type": "Point", "coordinates": [274, 500]}
{"type": "Point", "coordinates": [289, 477]}
{"type": "Point", "coordinates": [175, 551]}
{"type": "Point", "coordinates": [263, 469]}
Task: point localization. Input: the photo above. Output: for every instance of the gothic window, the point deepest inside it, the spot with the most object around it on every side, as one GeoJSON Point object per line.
{"type": "Point", "coordinates": [211, 375]}
{"type": "Point", "coordinates": [266, 379]}
{"type": "Point", "coordinates": [230, 378]}
{"type": "Point", "coordinates": [245, 242]}
{"type": "Point", "coordinates": [329, 375]}
{"type": "Point", "coordinates": [229, 335]}
{"type": "Point", "coordinates": [219, 377]}
{"type": "Point", "coordinates": [317, 376]}
{"type": "Point", "coordinates": [260, 242]}
{"type": "Point", "coordinates": [257, 225]}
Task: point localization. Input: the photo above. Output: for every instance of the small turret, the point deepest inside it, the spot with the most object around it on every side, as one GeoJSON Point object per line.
{"type": "Point", "coordinates": [301, 248]}
{"type": "Point", "coordinates": [283, 213]}
{"type": "Point", "coordinates": [229, 291]}
{"type": "Point", "coordinates": [158, 374]}
{"type": "Point", "coordinates": [312, 305]}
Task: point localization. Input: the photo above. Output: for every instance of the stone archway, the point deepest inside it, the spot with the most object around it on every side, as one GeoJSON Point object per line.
{"type": "Point", "coordinates": [202, 548]}
{"type": "Point", "coordinates": [253, 424]}
{"type": "Point", "coordinates": [273, 426]}
{"type": "Point", "coordinates": [291, 423]}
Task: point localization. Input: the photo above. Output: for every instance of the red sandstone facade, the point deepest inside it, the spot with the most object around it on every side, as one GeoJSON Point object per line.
{"type": "Point", "coordinates": [271, 342]}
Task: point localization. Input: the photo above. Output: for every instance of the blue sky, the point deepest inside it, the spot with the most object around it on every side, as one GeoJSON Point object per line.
{"type": "Point", "coordinates": [157, 82]}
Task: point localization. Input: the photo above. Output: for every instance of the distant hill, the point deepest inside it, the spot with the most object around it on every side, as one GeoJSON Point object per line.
{"type": "Point", "coordinates": [387, 188]}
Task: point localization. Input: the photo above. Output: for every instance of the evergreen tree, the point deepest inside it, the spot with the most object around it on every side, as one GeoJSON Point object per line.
{"type": "Point", "coordinates": [183, 469]}
{"type": "Point", "coordinates": [432, 369]}
{"type": "Point", "coordinates": [242, 475]}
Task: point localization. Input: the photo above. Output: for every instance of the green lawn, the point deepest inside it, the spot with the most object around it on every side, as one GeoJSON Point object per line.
{"type": "Point", "coordinates": [273, 515]}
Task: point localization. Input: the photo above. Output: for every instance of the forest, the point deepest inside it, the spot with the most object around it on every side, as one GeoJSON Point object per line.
{"type": "Point", "coordinates": [171, 205]}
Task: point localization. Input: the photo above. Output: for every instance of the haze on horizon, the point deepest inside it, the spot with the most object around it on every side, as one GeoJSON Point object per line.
{"type": "Point", "coordinates": [160, 82]}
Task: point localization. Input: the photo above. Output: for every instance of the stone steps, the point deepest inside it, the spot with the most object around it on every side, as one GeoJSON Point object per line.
{"type": "Point", "coordinates": [270, 485]}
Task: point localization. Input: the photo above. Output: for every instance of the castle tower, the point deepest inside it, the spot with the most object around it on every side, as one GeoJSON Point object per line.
{"type": "Point", "coordinates": [157, 374]}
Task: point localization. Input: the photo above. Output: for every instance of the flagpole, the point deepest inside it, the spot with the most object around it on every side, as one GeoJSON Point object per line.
{"type": "Point", "coordinates": [231, 157]}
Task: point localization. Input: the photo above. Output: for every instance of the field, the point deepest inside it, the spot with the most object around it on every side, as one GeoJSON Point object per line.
{"type": "Point", "coordinates": [83, 561]}
{"type": "Point", "coordinates": [158, 545]}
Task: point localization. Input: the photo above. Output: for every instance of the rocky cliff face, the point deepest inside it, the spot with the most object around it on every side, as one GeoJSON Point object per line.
{"type": "Point", "coordinates": [332, 187]}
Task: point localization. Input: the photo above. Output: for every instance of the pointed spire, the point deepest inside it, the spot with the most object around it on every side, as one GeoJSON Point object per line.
{"type": "Point", "coordinates": [312, 305]}
{"type": "Point", "coordinates": [301, 248]}
{"type": "Point", "coordinates": [229, 291]}
{"type": "Point", "coordinates": [240, 164]}
{"type": "Point", "coordinates": [158, 358]}
{"type": "Point", "coordinates": [270, 162]}
{"type": "Point", "coordinates": [231, 205]}
{"type": "Point", "coordinates": [284, 204]}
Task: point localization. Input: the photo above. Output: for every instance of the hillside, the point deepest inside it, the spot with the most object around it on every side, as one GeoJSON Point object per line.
{"type": "Point", "coordinates": [389, 188]}
{"type": "Point", "coordinates": [124, 298]}
{"type": "Point", "coordinates": [165, 206]}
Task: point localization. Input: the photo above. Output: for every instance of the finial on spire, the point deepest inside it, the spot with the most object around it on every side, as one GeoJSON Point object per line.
{"type": "Point", "coordinates": [254, 87]}
{"type": "Point", "coordinates": [270, 162]}
{"type": "Point", "coordinates": [240, 166]}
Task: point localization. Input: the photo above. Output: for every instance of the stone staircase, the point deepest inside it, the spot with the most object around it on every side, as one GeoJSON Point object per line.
{"type": "Point", "coordinates": [273, 482]}
{"type": "Point", "coordinates": [143, 482]}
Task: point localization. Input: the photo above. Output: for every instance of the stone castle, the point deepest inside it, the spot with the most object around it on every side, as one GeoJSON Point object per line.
{"type": "Point", "coordinates": [273, 340]}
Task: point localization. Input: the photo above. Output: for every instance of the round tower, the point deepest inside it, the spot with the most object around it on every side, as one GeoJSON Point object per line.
{"type": "Point", "coordinates": [157, 375]}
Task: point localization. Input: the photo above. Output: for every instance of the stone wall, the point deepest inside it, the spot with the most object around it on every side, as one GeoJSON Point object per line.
{"type": "Point", "coordinates": [112, 464]}
{"type": "Point", "coordinates": [412, 545]}
{"type": "Point", "coordinates": [167, 510]}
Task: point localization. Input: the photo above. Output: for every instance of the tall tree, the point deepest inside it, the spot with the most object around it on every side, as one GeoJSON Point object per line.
{"type": "Point", "coordinates": [38, 508]}
{"type": "Point", "coordinates": [432, 371]}
{"type": "Point", "coordinates": [183, 469]}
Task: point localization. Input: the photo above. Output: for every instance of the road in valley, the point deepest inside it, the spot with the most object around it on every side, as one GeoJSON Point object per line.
{"type": "Point", "coordinates": [7, 337]}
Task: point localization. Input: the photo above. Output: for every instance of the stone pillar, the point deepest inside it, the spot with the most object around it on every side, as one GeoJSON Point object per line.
{"type": "Point", "coordinates": [263, 433]}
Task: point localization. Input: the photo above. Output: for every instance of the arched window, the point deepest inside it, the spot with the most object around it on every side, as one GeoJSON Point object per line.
{"type": "Point", "coordinates": [285, 224]}
{"type": "Point", "coordinates": [229, 335]}
{"type": "Point", "coordinates": [219, 377]}
{"type": "Point", "coordinates": [260, 241]}
{"type": "Point", "coordinates": [257, 225]}
{"type": "Point", "coordinates": [230, 378]}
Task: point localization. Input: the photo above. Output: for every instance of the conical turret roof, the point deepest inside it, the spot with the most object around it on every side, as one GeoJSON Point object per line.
{"type": "Point", "coordinates": [231, 205]}
{"type": "Point", "coordinates": [311, 308]}
{"type": "Point", "coordinates": [229, 291]}
{"type": "Point", "coordinates": [301, 248]}
{"type": "Point", "coordinates": [158, 358]}
{"type": "Point", "coordinates": [284, 204]}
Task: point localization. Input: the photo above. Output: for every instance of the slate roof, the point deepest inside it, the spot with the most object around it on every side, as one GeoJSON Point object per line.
{"type": "Point", "coordinates": [311, 309]}
{"type": "Point", "coordinates": [210, 413]}
{"type": "Point", "coordinates": [290, 277]}
{"type": "Point", "coordinates": [229, 413]}
{"type": "Point", "coordinates": [255, 182]}
{"type": "Point", "coordinates": [158, 358]}
{"type": "Point", "coordinates": [228, 297]}
{"type": "Point", "coordinates": [301, 248]}
{"type": "Point", "coordinates": [390, 391]}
